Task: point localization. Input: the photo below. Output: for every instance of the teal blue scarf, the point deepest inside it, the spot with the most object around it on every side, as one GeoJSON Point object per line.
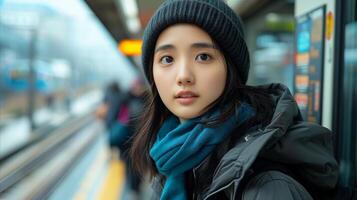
{"type": "Point", "coordinates": [180, 147]}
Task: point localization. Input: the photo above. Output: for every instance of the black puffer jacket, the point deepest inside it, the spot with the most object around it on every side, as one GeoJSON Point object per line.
{"type": "Point", "coordinates": [287, 160]}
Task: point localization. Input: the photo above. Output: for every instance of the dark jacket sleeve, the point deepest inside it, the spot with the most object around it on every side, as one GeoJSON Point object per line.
{"type": "Point", "coordinates": [274, 185]}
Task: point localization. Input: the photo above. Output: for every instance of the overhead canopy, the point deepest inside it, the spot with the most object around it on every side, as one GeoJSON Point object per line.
{"type": "Point", "coordinates": [112, 13]}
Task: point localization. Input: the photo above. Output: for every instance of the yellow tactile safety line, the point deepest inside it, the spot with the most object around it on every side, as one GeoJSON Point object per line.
{"type": "Point", "coordinates": [114, 181]}
{"type": "Point", "coordinates": [98, 165]}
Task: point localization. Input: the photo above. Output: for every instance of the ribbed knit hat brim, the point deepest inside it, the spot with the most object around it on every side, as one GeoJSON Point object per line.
{"type": "Point", "coordinates": [213, 16]}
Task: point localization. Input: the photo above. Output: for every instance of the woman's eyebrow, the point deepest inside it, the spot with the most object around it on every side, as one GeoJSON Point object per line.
{"type": "Point", "coordinates": [164, 47]}
{"type": "Point", "coordinates": [203, 45]}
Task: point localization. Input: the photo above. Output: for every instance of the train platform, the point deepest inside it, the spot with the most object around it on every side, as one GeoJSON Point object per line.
{"type": "Point", "coordinates": [98, 175]}
{"type": "Point", "coordinates": [74, 162]}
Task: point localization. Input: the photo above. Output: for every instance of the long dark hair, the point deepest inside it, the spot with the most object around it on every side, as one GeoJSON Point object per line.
{"type": "Point", "coordinates": [233, 95]}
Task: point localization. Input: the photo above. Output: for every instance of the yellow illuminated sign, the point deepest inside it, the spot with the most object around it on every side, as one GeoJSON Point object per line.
{"type": "Point", "coordinates": [329, 25]}
{"type": "Point", "coordinates": [131, 47]}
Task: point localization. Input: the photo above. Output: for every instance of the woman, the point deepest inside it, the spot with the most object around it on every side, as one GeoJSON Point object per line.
{"type": "Point", "coordinates": [205, 134]}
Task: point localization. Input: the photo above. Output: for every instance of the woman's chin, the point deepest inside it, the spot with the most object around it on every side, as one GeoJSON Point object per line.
{"type": "Point", "coordinates": [184, 116]}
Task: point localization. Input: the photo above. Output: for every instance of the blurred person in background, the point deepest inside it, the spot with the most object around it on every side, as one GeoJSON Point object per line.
{"type": "Point", "coordinates": [204, 133]}
{"type": "Point", "coordinates": [120, 111]}
{"type": "Point", "coordinates": [134, 101]}
{"type": "Point", "coordinates": [115, 114]}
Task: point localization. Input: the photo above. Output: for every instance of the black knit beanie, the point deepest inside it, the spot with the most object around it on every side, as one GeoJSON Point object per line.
{"type": "Point", "coordinates": [213, 16]}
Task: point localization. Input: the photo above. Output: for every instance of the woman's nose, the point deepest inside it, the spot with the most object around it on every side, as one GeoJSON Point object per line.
{"type": "Point", "coordinates": [185, 75]}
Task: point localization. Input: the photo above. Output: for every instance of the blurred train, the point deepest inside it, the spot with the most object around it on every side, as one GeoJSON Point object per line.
{"type": "Point", "coordinates": [17, 78]}
{"type": "Point", "coordinates": [51, 59]}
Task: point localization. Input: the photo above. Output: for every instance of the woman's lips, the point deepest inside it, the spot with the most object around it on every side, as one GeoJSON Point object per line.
{"type": "Point", "coordinates": [186, 97]}
{"type": "Point", "coordinates": [186, 100]}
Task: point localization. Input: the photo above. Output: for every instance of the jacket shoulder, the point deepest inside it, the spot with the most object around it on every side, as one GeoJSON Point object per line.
{"type": "Point", "coordinates": [309, 146]}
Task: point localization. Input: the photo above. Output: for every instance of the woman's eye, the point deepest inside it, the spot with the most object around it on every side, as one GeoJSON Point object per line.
{"type": "Point", "coordinates": [166, 60]}
{"type": "Point", "coordinates": [203, 57]}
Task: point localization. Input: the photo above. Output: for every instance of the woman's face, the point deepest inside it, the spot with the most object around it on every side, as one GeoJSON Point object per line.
{"type": "Point", "coordinates": [189, 71]}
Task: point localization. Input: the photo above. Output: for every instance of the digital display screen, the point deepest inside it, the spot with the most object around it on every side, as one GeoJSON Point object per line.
{"type": "Point", "coordinates": [309, 62]}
